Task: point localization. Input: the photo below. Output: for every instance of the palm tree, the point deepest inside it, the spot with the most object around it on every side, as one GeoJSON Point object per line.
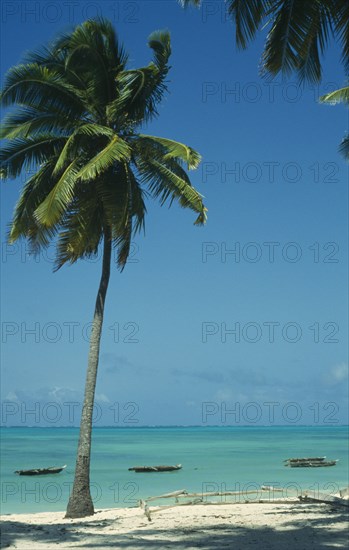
{"type": "Point", "coordinates": [76, 124]}
{"type": "Point", "coordinates": [298, 34]}
{"type": "Point", "coordinates": [339, 96]}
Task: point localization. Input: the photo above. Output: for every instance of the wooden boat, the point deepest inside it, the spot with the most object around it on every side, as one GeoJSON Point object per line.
{"type": "Point", "coordinates": [149, 469]}
{"type": "Point", "coordinates": [40, 471]}
{"type": "Point", "coordinates": [309, 464]}
{"type": "Point", "coordinates": [310, 459]}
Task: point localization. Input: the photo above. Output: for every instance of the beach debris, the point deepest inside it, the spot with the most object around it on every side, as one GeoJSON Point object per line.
{"type": "Point", "coordinates": [150, 469]}
{"type": "Point", "coordinates": [271, 488]}
{"type": "Point", "coordinates": [324, 498]}
{"type": "Point", "coordinates": [41, 471]}
{"type": "Point", "coordinates": [344, 493]}
{"type": "Point", "coordinates": [312, 462]}
{"type": "Point", "coordinates": [174, 494]}
{"type": "Point", "coordinates": [184, 498]}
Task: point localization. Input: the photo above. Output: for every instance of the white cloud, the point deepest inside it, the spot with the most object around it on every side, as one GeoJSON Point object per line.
{"type": "Point", "coordinates": [11, 396]}
{"type": "Point", "coordinates": [337, 374]}
{"type": "Point", "coordinates": [102, 398]}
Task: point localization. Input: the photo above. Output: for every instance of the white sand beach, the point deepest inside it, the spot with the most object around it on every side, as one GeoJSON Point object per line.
{"type": "Point", "coordinates": [271, 526]}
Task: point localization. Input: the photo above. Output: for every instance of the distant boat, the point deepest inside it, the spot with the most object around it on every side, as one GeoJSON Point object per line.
{"type": "Point", "coordinates": [311, 459]}
{"type": "Point", "coordinates": [40, 471]}
{"type": "Point", "coordinates": [149, 469]}
{"type": "Point", "coordinates": [314, 462]}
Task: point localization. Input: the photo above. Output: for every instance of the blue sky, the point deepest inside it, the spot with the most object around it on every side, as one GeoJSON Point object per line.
{"type": "Point", "coordinates": [247, 311]}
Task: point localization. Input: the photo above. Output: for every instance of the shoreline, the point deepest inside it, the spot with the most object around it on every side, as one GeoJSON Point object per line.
{"type": "Point", "coordinates": [268, 525]}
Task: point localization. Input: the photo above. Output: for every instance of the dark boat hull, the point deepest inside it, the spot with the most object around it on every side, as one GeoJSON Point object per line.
{"type": "Point", "coordinates": [319, 464]}
{"type": "Point", "coordinates": [309, 464]}
{"type": "Point", "coordinates": [307, 459]}
{"type": "Point", "coordinates": [152, 469]}
{"type": "Point", "coordinates": [39, 471]}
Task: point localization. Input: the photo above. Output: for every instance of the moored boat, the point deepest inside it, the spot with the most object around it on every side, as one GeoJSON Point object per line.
{"type": "Point", "coordinates": [309, 462]}
{"type": "Point", "coordinates": [311, 459]}
{"type": "Point", "coordinates": [40, 471]}
{"type": "Point", "coordinates": [150, 469]}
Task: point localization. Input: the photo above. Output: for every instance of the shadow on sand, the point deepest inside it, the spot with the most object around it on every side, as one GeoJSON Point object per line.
{"type": "Point", "coordinates": [295, 533]}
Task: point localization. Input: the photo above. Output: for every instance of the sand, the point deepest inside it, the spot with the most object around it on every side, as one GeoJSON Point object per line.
{"type": "Point", "coordinates": [271, 526]}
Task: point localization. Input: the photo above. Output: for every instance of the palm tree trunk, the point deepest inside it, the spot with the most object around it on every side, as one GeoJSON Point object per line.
{"type": "Point", "coordinates": [80, 501]}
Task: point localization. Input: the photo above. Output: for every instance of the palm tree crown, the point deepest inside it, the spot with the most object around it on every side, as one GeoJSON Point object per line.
{"type": "Point", "coordinates": [78, 113]}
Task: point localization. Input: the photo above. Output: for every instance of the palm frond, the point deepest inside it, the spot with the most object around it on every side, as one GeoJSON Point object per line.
{"type": "Point", "coordinates": [28, 153]}
{"type": "Point", "coordinates": [340, 14]}
{"type": "Point", "coordinates": [314, 41]}
{"type": "Point", "coordinates": [247, 16]}
{"type": "Point", "coordinates": [138, 209]}
{"type": "Point", "coordinates": [29, 121]}
{"type": "Point", "coordinates": [81, 230]}
{"type": "Point", "coordinates": [50, 211]}
{"type": "Point", "coordinates": [171, 182]}
{"type": "Point", "coordinates": [113, 51]}
{"type": "Point", "coordinates": [54, 59]}
{"type": "Point", "coordinates": [140, 91]}
{"type": "Point", "coordinates": [337, 96]}
{"type": "Point", "coordinates": [173, 149]}
{"type": "Point", "coordinates": [332, 98]}
{"type": "Point", "coordinates": [344, 147]}
{"type": "Point", "coordinates": [34, 192]}
{"type": "Point", "coordinates": [35, 86]}
{"type": "Point", "coordinates": [75, 142]}
{"type": "Point", "coordinates": [284, 39]}
{"type": "Point", "coordinates": [160, 43]}
{"type": "Point", "coordinates": [123, 238]}
{"type": "Point", "coordinates": [116, 150]}
{"type": "Point", "coordinates": [186, 3]}
{"type": "Point", "coordinates": [95, 40]}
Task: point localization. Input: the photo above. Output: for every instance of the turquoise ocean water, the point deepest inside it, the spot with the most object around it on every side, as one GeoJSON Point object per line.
{"type": "Point", "coordinates": [213, 458]}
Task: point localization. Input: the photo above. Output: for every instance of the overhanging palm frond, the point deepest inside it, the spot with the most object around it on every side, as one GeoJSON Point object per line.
{"type": "Point", "coordinates": [299, 32]}
{"type": "Point", "coordinates": [248, 16]}
{"type": "Point", "coordinates": [285, 39]}
{"type": "Point", "coordinates": [340, 14]}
